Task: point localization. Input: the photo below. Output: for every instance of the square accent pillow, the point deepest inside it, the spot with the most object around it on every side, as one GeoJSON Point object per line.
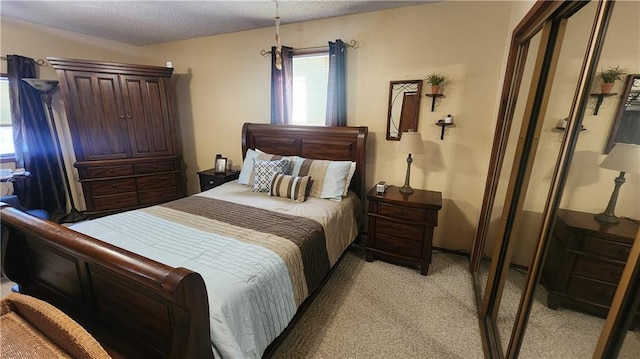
{"type": "Point", "coordinates": [291, 187]}
{"type": "Point", "coordinates": [330, 178]}
{"type": "Point", "coordinates": [264, 170]}
{"type": "Point", "coordinates": [247, 174]}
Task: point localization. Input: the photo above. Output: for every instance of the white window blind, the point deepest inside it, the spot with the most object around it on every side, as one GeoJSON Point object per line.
{"type": "Point", "coordinates": [6, 132]}
{"type": "Point", "coordinates": [310, 78]}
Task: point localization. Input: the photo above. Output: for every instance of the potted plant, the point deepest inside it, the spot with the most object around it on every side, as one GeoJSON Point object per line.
{"type": "Point", "coordinates": [436, 79]}
{"type": "Point", "coordinates": [609, 77]}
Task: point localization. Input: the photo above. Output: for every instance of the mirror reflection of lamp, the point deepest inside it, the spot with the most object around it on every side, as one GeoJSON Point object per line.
{"type": "Point", "coordinates": [625, 158]}
{"type": "Point", "coordinates": [410, 143]}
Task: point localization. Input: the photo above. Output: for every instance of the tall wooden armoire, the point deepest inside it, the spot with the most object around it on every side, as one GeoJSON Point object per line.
{"type": "Point", "coordinates": [124, 133]}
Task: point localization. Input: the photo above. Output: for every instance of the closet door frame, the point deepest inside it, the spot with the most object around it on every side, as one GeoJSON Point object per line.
{"type": "Point", "coordinates": [550, 17]}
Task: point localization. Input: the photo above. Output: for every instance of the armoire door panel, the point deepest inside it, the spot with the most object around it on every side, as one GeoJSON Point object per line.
{"type": "Point", "coordinates": [147, 116]}
{"type": "Point", "coordinates": [97, 115]}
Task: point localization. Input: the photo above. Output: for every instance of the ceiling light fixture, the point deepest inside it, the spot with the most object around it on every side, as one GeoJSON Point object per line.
{"type": "Point", "coordinates": [278, 46]}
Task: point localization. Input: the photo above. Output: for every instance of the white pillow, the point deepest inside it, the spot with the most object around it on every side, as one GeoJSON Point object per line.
{"type": "Point", "coordinates": [329, 178]}
{"type": "Point", "coordinates": [247, 167]}
{"type": "Point", "coordinates": [352, 170]}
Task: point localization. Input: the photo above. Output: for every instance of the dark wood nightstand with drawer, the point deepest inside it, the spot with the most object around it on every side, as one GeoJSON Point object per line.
{"type": "Point", "coordinates": [584, 262]}
{"type": "Point", "coordinates": [401, 225]}
{"type": "Point", "coordinates": [210, 179]}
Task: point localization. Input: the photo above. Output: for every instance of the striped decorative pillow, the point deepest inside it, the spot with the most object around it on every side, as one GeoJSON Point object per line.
{"type": "Point", "coordinates": [289, 187]}
{"type": "Point", "coordinates": [330, 178]}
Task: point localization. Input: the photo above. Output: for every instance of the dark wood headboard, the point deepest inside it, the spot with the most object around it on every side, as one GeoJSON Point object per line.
{"type": "Point", "coordinates": [314, 142]}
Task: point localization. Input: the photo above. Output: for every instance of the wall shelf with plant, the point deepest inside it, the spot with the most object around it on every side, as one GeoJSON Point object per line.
{"type": "Point", "coordinates": [436, 80]}
{"type": "Point", "coordinates": [608, 78]}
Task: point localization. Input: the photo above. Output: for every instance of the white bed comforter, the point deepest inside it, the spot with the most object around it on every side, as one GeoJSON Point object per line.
{"type": "Point", "coordinates": [252, 289]}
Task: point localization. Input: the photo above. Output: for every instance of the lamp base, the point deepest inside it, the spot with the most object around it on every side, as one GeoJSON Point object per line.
{"type": "Point", "coordinates": [406, 189]}
{"type": "Point", "coordinates": [606, 218]}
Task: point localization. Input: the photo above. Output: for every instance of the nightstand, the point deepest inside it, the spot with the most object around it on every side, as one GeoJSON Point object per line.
{"type": "Point", "coordinates": [584, 262]}
{"type": "Point", "coordinates": [401, 225]}
{"type": "Point", "coordinates": [209, 179]}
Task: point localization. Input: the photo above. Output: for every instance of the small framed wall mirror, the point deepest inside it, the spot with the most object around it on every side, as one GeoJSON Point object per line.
{"type": "Point", "coordinates": [626, 126]}
{"type": "Point", "coordinates": [404, 107]}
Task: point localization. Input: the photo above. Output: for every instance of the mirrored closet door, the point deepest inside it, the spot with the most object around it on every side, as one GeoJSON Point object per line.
{"type": "Point", "coordinates": [544, 172]}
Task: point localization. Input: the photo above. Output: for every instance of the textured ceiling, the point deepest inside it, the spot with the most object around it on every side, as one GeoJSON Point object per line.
{"type": "Point", "coordinates": [151, 22]}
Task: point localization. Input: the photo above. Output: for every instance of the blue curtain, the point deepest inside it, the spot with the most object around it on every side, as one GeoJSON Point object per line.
{"type": "Point", "coordinates": [282, 86]}
{"type": "Point", "coordinates": [34, 147]}
{"type": "Point", "coordinates": [336, 87]}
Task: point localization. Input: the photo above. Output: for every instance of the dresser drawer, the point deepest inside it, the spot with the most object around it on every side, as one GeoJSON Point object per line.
{"type": "Point", "coordinates": [109, 171]}
{"type": "Point", "coordinates": [157, 181]}
{"type": "Point", "coordinates": [142, 168]}
{"type": "Point", "coordinates": [606, 248]}
{"type": "Point", "coordinates": [590, 268]}
{"type": "Point", "coordinates": [410, 231]}
{"type": "Point", "coordinates": [115, 201]}
{"type": "Point", "coordinates": [100, 188]}
{"type": "Point", "coordinates": [591, 290]}
{"type": "Point", "coordinates": [390, 210]}
{"type": "Point", "coordinates": [400, 246]}
{"type": "Point", "coordinates": [157, 196]}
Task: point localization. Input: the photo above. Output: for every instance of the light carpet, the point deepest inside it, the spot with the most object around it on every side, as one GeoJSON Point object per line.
{"type": "Point", "coordinates": [380, 310]}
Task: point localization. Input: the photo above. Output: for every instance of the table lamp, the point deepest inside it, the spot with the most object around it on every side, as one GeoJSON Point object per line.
{"type": "Point", "coordinates": [625, 158]}
{"type": "Point", "coordinates": [410, 143]}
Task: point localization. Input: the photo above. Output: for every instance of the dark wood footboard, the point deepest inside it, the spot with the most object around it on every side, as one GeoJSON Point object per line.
{"type": "Point", "coordinates": [135, 307]}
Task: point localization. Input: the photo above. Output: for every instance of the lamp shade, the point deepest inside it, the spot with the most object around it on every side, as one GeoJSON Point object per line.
{"type": "Point", "coordinates": [624, 157]}
{"type": "Point", "coordinates": [411, 142]}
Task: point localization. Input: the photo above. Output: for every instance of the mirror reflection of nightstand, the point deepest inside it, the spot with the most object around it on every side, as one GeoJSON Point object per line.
{"type": "Point", "coordinates": [584, 262]}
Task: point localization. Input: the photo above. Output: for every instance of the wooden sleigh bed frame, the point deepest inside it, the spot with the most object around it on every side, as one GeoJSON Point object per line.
{"type": "Point", "coordinates": [136, 307]}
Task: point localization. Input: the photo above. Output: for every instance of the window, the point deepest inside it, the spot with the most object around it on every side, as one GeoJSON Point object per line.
{"type": "Point", "coordinates": [310, 78]}
{"type": "Point", "coordinates": [6, 131]}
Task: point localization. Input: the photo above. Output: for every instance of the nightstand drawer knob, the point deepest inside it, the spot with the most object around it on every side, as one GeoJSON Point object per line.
{"type": "Point", "coordinates": [210, 182]}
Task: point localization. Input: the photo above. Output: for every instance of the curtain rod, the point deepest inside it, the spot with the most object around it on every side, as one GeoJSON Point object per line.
{"type": "Point", "coordinates": [353, 44]}
{"type": "Point", "coordinates": [39, 62]}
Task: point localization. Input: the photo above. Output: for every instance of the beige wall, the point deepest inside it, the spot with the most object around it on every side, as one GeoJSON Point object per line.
{"type": "Point", "coordinates": [588, 187]}
{"type": "Point", "coordinates": [222, 82]}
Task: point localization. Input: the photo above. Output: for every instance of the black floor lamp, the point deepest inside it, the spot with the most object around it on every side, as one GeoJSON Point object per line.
{"type": "Point", "coordinates": [46, 88]}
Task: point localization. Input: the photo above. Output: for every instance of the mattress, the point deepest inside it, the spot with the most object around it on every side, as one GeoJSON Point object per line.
{"type": "Point", "coordinates": [259, 256]}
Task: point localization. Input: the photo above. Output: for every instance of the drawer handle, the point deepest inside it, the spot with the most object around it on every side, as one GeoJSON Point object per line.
{"type": "Point", "coordinates": [122, 117]}
{"type": "Point", "coordinates": [114, 186]}
{"type": "Point", "coordinates": [210, 182]}
{"type": "Point", "coordinates": [395, 244]}
{"type": "Point", "coordinates": [155, 167]}
{"type": "Point", "coordinates": [110, 171]}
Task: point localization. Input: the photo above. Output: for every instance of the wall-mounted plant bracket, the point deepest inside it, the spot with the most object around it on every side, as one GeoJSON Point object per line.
{"type": "Point", "coordinates": [599, 98]}
{"type": "Point", "coordinates": [433, 99]}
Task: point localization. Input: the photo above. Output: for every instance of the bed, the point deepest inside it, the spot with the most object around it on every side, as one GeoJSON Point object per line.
{"type": "Point", "coordinates": [141, 307]}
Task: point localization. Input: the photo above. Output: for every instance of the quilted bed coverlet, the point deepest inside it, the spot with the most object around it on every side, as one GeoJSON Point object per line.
{"type": "Point", "coordinates": [258, 264]}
